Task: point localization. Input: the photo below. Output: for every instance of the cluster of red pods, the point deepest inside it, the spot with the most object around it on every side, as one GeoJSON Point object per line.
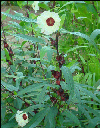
{"type": "Point", "coordinates": [10, 52]}
{"type": "Point", "coordinates": [60, 92]}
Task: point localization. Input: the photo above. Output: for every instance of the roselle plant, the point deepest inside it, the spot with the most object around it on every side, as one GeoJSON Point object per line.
{"type": "Point", "coordinates": [51, 78]}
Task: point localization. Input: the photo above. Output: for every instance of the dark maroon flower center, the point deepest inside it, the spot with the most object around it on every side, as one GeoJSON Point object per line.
{"type": "Point", "coordinates": [24, 116]}
{"type": "Point", "coordinates": [50, 21]}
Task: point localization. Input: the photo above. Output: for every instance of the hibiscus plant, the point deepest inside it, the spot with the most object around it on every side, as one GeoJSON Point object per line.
{"type": "Point", "coordinates": [51, 69]}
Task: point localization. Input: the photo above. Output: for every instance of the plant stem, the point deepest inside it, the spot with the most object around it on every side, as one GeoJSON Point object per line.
{"type": "Point", "coordinates": [57, 43]}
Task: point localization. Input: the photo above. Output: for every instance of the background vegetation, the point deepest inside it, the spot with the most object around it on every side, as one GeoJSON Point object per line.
{"type": "Point", "coordinates": [53, 78]}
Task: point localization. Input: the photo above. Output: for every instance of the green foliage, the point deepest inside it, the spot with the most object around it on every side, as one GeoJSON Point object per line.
{"type": "Point", "coordinates": [19, 18]}
{"type": "Point", "coordinates": [53, 80]}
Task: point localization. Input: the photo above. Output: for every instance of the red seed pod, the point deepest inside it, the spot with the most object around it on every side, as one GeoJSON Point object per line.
{"type": "Point", "coordinates": [56, 74]}
{"type": "Point", "coordinates": [60, 92]}
{"type": "Point", "coordinates": [63, 98]}
{"type": "Point", "coordinates": [60, 59]}
{"type": "Point", "coordinates": [27, 104]}
{"type": "Point", "coordinates": [21, 83]}
{"type": "Point", "coordinates": [36, 110]}
{"type": "Point", "coordinates": [58, 33]}
{"type": "Point", "coordinates": [5, 45]}
{"type": "Point", "coordinates": [58, 82]}
{"type": "Point", "coordinates": [9, 63]}
{"type": "Point", "coordinates": [14, 79]}
{"type": "Point", "coordinates": [53, 42]}
{"type": "Point", "coordinates": [34, 62]}
{"type": "Point", "coordinates": [10, 52]}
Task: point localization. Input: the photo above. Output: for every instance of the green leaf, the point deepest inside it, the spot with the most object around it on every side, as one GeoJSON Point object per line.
{"type": "Point", "coordinates": [39, 117]}
{"type": "Point", "coordinates": [7, 54]}
{"type": "Point", "coordinates": [31, 108]}
{"type": "Point", "coordinates": [69, 79]}
{"type": "Point", "coordinates": [28, 38]}
{"type": "Point", "coordinates": [9, 86]}
{"type": "Point", "coordinates": [30, 88]}
{"type": "Point", "coordinates": [82, 59]}
{"type": "Point", "coordinates": [91, 110]}
{"type": "Point", "coordinates": [23, 43]}
{"type": "Point", "coordinates": [83, 36]}
{"type": "Point", "coordinates": [9, 125]}
{"type": "Point", "coordinates": [89, 102]}
{"type": "Point", "coordinates": [50, 118]}
{"type": "Point", "coordinates": [83, 110]}
{"type": "Point", "coordinates": [12, 76]}
{"type": "Point", "coordinates": [48, 75]}
{"type": "Point", "coordinates": [19, 18]}
{"type": "Point", "coordinates": [89, 93]}
{"type": "Point", "coordinates": [94, 34]}
{"type": "Point", "coordinates": [42, 5]}
{"type": "Point", "coordinates": [21, 3]}
{"type": "Point", "coordinates": [94, 122]}
{"type": "Point", "coordinates": [16, 25]}
{"type": "Point", "coordinates": [72, 117]}
{"type": "Point", "coordinates": [74, 48]}
{"type": "Point", "coordinates": [48, 50]}
{"type": "Point", "coordinates": [62, 20]}
{"type": "Point", "coordinates": [64, 85]}
{"type": "Point", "coordinates": [77, 95]}
{"type": "Point", "coordinates": [19, 57]}
{"type": "Point", "coordinates": [3, 111]}
{"type": "Point", "coordinates": [19, 102]}
{"type": "Point", "coordinates": [71, 2]}
{"type": "Point", "coordinates": [41, 95]}
{"type": "Point", "coordinates": [4, 17]}
{"type": "Point", "coordinates": [12, 117]}
{"type": "Point", "coordinates": [74, 67]}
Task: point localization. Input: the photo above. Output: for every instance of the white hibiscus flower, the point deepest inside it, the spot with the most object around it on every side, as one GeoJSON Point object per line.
{"type": "Point", "coordinates": [49, 22]}
{"type": "Point", "coordinates": [21, 118]}
{"type": "Point", "coordinates": [35, 6]}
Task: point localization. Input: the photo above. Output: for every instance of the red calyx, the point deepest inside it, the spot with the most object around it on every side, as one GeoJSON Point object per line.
{"type": "Point", "coordinates": [53, 42]}
{"type": "Point", "coordinates": [63, 98]}
{"type": "Point", "coordinates": [9, 63]}
{"type": "Point", "coordinates": [21, 83]}
{"type": "Point", "coordinates": [56, 74]}
{"type": "Point", "coordinates": [34, 62]}
{"type": "Point", "coordinates": [5, 45]}
{"type": "Point", "coordinates": [58, 82]}
{"type": "Point", "coordinates": [14, 79]}
{"type": "Point", "coordinates": [27, 104]}
{"type": "Point", "coordinates": [10, 52]}
{"type": "Point", "coordinates": [35, 111]}
{"type": "Point", "coordinates": [60, 59]}
{"type": "Point", "coordinates": [60, 92]}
